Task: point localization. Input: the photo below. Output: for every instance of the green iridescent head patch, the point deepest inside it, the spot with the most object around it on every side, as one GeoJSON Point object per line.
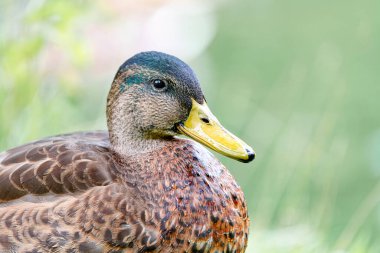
{"type": "Point", "coordinates": [132, 79]}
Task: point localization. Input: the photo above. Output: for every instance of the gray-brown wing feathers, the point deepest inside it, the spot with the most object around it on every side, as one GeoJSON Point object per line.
{"type": "Point", "coordinates": [61, 164]}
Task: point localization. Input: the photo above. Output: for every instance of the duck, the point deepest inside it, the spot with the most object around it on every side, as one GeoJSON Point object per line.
{"type": "Point", "coordinates": [148, 184]}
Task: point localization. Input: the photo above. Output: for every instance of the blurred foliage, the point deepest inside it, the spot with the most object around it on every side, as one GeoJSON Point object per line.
{"type": "Point", "coordinates": [36, 99]}
{"type": "Point", "coordinates": [302, 85]}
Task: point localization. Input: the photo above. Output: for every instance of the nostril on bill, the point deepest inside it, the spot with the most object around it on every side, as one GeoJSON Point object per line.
{"type": "Point", "coordinates": [205, 120]}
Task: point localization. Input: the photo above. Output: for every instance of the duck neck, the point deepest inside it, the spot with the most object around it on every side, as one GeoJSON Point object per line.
{"type": "Point", "coordinates": [128, 141]}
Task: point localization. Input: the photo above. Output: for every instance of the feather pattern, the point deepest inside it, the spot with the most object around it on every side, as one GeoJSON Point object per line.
{"type": "Point", "coordinates": [57, 165]}
{"type": "Point", "coordinates": [70, 193]}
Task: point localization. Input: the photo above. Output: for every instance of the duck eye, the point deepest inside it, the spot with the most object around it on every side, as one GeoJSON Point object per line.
{"type": "Point", "coordinates": [159, 84]}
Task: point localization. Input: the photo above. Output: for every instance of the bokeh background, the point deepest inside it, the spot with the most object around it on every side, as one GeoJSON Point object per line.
{"type": "Point", "coordinates": [299, 80]}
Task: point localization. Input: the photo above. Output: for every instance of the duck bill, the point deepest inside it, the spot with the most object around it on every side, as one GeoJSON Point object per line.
{"type": "Point", "coordinates": [204, 127]}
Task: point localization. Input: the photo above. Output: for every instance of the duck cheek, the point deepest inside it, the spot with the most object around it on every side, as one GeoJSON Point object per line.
{"type": "Point", "coordinates": [169, 118]}
{"type": "Point", "coordinates": [164, 111]}
{"type": "Point", "coordinates": [178, 113]}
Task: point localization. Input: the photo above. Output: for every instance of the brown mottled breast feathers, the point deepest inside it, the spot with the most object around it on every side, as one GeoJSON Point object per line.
{"type": "Point", "coordinates": [70, 193]}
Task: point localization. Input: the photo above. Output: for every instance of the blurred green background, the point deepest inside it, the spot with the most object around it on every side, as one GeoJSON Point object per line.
{"type": "Point", "coordinates": [299, 80]}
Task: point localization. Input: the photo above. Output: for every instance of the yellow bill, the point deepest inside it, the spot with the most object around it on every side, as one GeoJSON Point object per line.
{"type": "Point", "coordinates": [204, 127]}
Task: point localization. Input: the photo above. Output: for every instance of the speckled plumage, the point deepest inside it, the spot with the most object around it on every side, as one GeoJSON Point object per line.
{"type": "Point", "coordinates": [77, 193]}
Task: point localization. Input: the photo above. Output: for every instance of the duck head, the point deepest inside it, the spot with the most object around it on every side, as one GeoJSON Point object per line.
{"type": "Point", "coordinates": [156, 96]}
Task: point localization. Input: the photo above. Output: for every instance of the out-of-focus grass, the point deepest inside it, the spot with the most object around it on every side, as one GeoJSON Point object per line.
{"type": "Point", "coordinates": [37, 98]}
{"type": "Point", "coordinates": [298, 80]}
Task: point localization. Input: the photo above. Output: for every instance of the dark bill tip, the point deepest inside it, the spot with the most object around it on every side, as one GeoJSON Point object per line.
{"type": "Point", "coordinates": [251, 156]}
